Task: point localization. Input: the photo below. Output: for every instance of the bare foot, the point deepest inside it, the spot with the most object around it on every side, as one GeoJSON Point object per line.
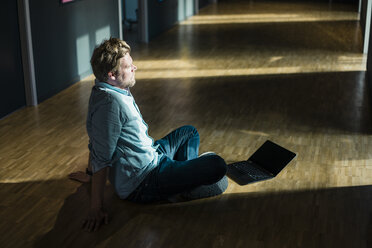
{"type": "Point", "coordinates": [79, 176]}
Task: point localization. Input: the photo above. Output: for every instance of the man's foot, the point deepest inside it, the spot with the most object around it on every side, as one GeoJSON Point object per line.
{"type": "Point", "coordinates": [80, 176]}
{"type": "Point", "coordinates": [207, 154]}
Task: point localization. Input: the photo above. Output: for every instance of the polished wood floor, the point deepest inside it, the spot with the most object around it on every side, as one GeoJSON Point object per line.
{"type": "Point", "coordinates": [242, 72]}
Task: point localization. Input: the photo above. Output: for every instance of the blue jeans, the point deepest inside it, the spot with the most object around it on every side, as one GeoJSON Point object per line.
{"type": "Point", "coordinates": [180, 169]}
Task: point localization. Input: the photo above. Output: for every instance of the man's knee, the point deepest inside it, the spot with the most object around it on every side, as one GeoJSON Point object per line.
{"type": "Point", "coordinates": [190, 129]}
{"type": "Point", "coordinates": [219, 165]}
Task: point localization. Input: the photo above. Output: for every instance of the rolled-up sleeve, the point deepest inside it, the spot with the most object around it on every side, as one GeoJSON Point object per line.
{"type": "Point", "coordinates": [105, 128]}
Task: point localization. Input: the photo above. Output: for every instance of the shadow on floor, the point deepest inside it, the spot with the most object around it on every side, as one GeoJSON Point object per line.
{"type": "Point", "coordinates": [335, 217]}
{"type": "Point", "coordinates": [336, 102]}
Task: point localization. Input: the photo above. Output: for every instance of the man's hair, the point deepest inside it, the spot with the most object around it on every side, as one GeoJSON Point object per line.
{"type": "Point", "coordinates": [106, 57]}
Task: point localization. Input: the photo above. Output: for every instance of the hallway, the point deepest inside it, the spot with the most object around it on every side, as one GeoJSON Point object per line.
{"type": "Point", "coordinates": [241, 72]}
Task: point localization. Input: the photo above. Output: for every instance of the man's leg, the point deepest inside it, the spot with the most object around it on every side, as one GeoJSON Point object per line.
{"type": "Point", "coordinates": [182, 167]}
{"type": "Point", "coordinates": [173, 177]}
{"type": "Point", "coordinates": [182, 144]}
{"type": "Point", "coordinates": [181, 170]}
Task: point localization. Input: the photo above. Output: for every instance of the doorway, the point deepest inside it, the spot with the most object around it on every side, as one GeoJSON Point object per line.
{"type": "Point", "coordinates": [130, 21]}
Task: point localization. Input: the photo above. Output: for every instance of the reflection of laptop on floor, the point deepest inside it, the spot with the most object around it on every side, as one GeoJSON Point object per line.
{"type": "Point", "coordinates": [264, 164]}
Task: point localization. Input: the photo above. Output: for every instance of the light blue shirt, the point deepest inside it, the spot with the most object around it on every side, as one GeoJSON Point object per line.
{"type": "Point", "coordinates": [118, 138]}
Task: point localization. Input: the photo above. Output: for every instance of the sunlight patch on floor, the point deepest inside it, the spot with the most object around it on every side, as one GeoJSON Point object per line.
{"type": "Point", "coordinates": [309, 16]}
{"type": "Point", "coordinates": [189, 68]}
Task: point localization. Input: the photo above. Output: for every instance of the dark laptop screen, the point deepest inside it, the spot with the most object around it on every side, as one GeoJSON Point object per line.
{"type": "Point", "coordinates": [272, 157]}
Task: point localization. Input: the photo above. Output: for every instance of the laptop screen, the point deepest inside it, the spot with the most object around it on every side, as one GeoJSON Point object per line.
{"type": "Point", "coordinates": [272, 157]}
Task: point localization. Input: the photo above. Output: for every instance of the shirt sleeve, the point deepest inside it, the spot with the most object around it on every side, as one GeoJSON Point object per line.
{"type": "Point", "coordinates": [105, 131]}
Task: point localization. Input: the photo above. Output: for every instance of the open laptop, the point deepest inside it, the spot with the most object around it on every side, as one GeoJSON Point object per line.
{"type": "Point", "coordinates": [264, 164]}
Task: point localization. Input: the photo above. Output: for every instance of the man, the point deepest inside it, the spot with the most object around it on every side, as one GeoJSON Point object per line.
{"type": "Point", "coordinates": [140, 170]}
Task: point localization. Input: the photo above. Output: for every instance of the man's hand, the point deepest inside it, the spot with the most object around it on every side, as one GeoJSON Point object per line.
{"type": "Point", "coordinates": [94, 220]}
{"type": "Point", "coordinates": [80, 176]}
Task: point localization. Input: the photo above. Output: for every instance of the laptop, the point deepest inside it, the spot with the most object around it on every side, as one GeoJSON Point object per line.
{"type": "Point", "coordinates": [264, 164]}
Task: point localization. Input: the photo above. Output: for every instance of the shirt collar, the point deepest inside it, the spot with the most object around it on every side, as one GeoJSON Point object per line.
{"type": "Point", "coordinates": [109, 86]}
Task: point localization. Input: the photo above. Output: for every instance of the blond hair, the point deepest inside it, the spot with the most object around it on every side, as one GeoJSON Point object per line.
{"type": "Point", "coordinates": [106, 57]}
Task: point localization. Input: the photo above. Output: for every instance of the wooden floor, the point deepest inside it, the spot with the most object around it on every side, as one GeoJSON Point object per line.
{"type": "Point", "coordinates": [242, 73]}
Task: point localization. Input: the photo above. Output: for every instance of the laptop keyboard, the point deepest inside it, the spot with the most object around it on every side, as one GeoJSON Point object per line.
{"type": "Point", "coordinates": [243, 168]}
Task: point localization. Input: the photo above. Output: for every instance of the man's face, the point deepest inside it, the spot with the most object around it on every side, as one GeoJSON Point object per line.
{"type": "Point", "coordinates": [126, 73]}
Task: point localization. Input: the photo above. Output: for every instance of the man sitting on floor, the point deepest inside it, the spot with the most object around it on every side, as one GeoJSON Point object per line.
{"type": "Point", "coordinates": [140, 170]}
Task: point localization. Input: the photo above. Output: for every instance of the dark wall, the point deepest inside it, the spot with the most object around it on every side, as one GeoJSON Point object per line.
{"type": "Point", "coordinates": [369, 62]}
{"type": "Point", "coordinates": [64, 37]}
{"type": "Point", "coordinates": [12, 93]}
{"type": "Point", "coordinates": [363, 13]}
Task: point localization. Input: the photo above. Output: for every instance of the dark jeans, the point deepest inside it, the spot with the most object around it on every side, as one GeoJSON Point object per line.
{"type": "Point", "coordinates": [180, 169]}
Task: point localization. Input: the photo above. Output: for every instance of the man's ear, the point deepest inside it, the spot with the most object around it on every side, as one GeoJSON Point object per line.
{"type": "Point", "coordinates": [111, 76]}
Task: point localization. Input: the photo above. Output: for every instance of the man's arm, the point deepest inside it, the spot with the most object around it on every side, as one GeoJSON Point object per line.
{"type": "Point", "coordinates": [82, 176]}
{"type": "Point", "coordinates": [104, 128]}
{"type": "Point", "coordinates": [97, 214]}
